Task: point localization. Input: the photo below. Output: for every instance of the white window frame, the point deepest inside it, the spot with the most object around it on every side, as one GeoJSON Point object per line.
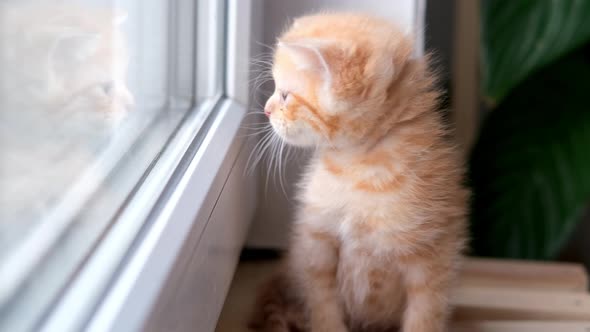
{"type": "Point", "coordinates": [197, 201]}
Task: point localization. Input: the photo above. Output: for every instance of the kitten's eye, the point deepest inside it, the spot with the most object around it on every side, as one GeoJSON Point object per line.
{"type": "Point", "coordinates": [284, 95]}
{"type": "Point", "coordinates": [107, 88]}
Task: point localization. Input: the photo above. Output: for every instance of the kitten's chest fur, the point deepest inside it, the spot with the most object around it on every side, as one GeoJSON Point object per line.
{"type": "Point", "coordinates": [337, 194]}
{"type": "Point", "coordinates": [368, 282]}
{"type": "Point", "coordinates": [344, 211]}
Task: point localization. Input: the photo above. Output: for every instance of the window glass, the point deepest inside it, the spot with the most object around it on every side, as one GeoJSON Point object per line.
{"type": "Point", "coordinates": [91, 91]}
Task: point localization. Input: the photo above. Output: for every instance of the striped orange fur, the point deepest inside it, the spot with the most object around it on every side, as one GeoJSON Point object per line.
{"type": "Point", "coordinates": [381, 225]}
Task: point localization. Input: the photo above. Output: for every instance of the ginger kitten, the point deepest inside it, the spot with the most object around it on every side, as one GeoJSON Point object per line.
{"type": "Point", "coordinates": [381, 222]}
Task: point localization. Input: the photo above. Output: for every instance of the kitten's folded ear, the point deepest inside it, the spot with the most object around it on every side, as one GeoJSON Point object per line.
{"type": "Point", "coordinates": [311, 54]}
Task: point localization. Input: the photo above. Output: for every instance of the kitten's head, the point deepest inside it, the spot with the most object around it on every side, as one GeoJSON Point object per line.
{"type": "Point", "coordinates": [333, 76]}
{"type": "Point", "coordinates": [65, 61]}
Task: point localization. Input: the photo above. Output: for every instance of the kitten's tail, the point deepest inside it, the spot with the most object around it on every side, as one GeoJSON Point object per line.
{"type": "Point", "coordinates": [278, 308]}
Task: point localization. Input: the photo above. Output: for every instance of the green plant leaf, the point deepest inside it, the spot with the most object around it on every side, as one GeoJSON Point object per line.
{"type": "Point", "coordinates": [530, 169]}
{"type": "Point", "coordinates": [521, 36]}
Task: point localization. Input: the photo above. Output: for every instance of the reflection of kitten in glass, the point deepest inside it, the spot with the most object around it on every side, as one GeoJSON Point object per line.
{"type": "Point", "coordinates": [62, 93]}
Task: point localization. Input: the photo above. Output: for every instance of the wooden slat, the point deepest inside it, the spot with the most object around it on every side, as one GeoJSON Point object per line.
{"type": "Point", "coordinates": [524, 275]}
{"type": "Point", "coordinates": [520, 326]}
{"type": "Point", "coordinates": [490, 293]}
{"type": "Point", "coordinates": [474, 303]}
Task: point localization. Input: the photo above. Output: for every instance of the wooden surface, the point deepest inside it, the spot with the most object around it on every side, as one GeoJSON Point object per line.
{"type": "Point", "coordinates": [520, 326]}
{"type": "Point", "coordinates": [473, 303]}
{"type": "Point", "coordinates": [565, 277]}
{"type": "Point", "coordinates": [492, 296]}
{"type": "Point", "coordinates": [238, 304]}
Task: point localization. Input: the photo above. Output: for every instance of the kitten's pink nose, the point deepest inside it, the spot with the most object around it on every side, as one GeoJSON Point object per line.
{"type": "Point", "coordinates": [267, 112]}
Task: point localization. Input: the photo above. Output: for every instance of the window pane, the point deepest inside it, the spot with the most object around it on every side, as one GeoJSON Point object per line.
{"type": "Point", "coordinates": [91, 91]}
